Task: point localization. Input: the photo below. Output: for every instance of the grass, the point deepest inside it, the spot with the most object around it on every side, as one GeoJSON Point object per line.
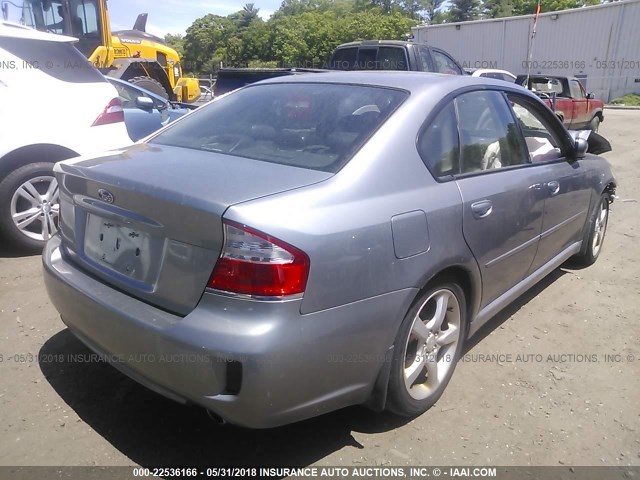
{"type": "Point", "coordinates": [630, 99]}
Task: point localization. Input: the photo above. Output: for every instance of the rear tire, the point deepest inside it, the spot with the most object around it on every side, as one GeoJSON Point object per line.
{"type": "Point", "coordinates": [427, 348]}
{"type": "Point", "coordinates": [29, 206]}
{"type": "Point", "coordinates": [594, 237]}
{"type": "Point", "coordinates": [595, 124]}
{"type": "Point", "coordinates": [150, 84]}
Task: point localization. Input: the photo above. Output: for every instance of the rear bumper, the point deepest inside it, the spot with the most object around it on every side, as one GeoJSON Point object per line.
{"type": "Point", "coordinates": [256, 364]}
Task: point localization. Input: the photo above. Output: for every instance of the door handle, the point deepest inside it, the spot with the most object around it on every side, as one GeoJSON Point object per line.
{"type": "Point", "coordinates": [554, 187]}
{"type": "Point", "coordinates": [482, 209]}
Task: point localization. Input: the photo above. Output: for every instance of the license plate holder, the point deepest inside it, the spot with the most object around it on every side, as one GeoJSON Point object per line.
{"type": "Point", "coordinates": [117, 246]}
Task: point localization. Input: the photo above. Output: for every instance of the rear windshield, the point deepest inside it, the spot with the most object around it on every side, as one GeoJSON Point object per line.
{"type": "Point", "coordinates": [314, 126]}
{"type": "Point", "coordinates": [542, 84]}
{"type": "Point", "coordinates": [60, 60]}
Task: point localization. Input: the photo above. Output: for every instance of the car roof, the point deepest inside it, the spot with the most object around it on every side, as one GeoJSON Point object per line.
{"type": "Point", "coordinates": [491, 70]}
{"type": "Point", "coordinates": [414, 82]}
{"type": "Point", "coordinates": [372, 43]}
{"type": "Point", "coordinates": [15, 30]}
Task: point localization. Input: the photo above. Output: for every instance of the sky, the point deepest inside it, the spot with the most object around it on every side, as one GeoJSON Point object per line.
{"type": "Point", "coordinates": [175, 16]}
{"type": "Point", "coordinates": [170, 16]}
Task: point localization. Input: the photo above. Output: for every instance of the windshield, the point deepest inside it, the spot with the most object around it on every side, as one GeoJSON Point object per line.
{"type": "Point", "coordinates": [75, 18]}
{"type": "Point", "coordinates": [315, 126]}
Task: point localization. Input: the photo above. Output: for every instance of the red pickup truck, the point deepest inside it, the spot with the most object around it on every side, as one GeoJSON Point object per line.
{"type": "Point", "coordinates": [567, 98]}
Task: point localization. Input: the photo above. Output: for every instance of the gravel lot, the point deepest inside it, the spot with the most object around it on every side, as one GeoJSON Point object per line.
{"type": "Point", "coordinates": [564, 390]}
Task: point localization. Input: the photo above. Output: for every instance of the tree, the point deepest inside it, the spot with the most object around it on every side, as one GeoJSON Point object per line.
{"type": "Point", "coordinates": [431, 6]}
{"type": "Point", "coordinates": [244, 17]}
{"type": "Point", "coordinates": [204, 38]}
{"type": "Point", "coordinates": [465, 10]}
{"type": "Point", "coordinates": [176, 42]}
{"type": "Point", "coordinates": [507, 8]}
{"type": "Point", "coordinates": [497, 8]}
{"type": "Point", "coordinates": [249, 13]}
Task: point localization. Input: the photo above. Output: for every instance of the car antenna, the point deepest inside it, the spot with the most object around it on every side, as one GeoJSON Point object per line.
{"type": "Point", "coordinates": [531, 40]}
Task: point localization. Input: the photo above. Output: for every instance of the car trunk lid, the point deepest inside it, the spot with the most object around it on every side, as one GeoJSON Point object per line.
{"type": "Point", "coordinates": [148, 220]}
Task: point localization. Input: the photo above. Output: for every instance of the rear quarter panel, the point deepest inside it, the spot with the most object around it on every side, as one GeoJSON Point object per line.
{"type": "Point", "coordinates": [344, 223]}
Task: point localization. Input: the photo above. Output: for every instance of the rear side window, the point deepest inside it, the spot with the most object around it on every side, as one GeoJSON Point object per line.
{"type": "Point", "coordinates": [425, 58]}
{"type": "Point", "coordinates": [128, 96]}
{"type": "Point", "coordinates": [344, 59]}
{"type": "Point", "coordinates": [443, 63]}
{"type": "Point", "coordinates": [439, 146]}
{"type": "Point", "coordinates": [489, 134]}
{"type": "Point", "coordinates": [314, 126]}
{"type": "Point", "coordinates": [59, 60]}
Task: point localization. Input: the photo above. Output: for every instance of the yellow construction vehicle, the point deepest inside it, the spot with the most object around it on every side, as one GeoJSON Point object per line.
{"type": "Point", "coordinates": [132, 55]}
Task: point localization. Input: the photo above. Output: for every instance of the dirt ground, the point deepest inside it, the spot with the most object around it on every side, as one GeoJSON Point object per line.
{"type": "Point", "coordinates": [565, 388]}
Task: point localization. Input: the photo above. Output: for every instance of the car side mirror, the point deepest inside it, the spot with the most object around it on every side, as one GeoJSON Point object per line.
{"type": "Point", "coordinates": [145, 103]}
{"type": "Point", "coordinates": [580, 148]}
{"type": "Point", "coordinates": [590, 96]}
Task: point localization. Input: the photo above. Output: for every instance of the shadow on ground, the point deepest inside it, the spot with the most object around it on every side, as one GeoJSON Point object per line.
{"type": "Point", "coordinates": [9, 251]}
{"type": "Point", "coordinates": [152, 430]}
{"type": "Point", "coordinates": [513, 308]}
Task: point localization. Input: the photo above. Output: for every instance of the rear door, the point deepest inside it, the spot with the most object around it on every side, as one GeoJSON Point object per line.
{"type": "Point", "coordinates": [502, 209]}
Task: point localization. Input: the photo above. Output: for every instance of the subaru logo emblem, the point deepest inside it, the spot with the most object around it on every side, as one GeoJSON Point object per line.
{"type": "Point", "coordinates": [106, 195]}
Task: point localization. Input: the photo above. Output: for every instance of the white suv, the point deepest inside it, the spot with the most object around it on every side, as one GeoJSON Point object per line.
{"type": "Point", "coordinates": [54, 105]}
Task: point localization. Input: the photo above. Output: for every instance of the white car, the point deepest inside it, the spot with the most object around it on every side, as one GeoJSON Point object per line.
{"type": "Point", "coordinates": [54, 105]}
{"type": "Point", "coordinates": [494, 73]}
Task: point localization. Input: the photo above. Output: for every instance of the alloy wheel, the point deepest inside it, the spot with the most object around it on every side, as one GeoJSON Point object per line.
{"type": "Point", "coordinates": [35, 207]}
{"type": "Point", "coordinates": [600, 227]}
{"type": "Point", "coordinates": [431, 344]}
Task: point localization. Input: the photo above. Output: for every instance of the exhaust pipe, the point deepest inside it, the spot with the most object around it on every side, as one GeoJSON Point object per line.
{"type": "Point", "coordinates": [216, 418]}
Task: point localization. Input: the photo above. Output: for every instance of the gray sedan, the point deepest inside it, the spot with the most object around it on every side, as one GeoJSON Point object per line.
{"type": "Point", "coordinates": [318, 241]}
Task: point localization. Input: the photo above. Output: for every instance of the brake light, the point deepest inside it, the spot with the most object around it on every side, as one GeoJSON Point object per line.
{"type": "Point", "coordinates": [112, 113]}
{"type": "Point", "coordinates": [253, 263]}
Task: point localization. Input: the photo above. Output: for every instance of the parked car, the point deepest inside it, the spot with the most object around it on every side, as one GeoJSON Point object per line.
{"type": "Point", "coordinates": [230, 79]}
{"type": "Point", "coordinates": [393, 55]}
{"type": "Point", "coordinates": [144, 111]}
{"type": "Point", "coordinates": [317, 241]}
{"type": "Point", "coordinates": [567, 98]}
{"type": "Point", "coordinates": [53, 106]}
{"type": "Point", "coordinates": [492, 73]}
{"type": "Point", "coordinates": [363, 55]}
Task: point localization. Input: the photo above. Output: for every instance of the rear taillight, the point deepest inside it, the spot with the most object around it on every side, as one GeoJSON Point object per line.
{"type": "Point", "coordinates": [253, 263]}
{"type": "Point", "coordinates": [113, 113]}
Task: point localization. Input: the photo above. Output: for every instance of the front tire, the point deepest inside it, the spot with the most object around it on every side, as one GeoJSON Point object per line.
{"type": "Point", "coordinates": [594, 125]}
{"type": "Point", "coordinates": [29, 206]}
{"type": "Point", "coordinates": [594, 237]}
{"type": "Point", "coordinates": [427, 348]}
